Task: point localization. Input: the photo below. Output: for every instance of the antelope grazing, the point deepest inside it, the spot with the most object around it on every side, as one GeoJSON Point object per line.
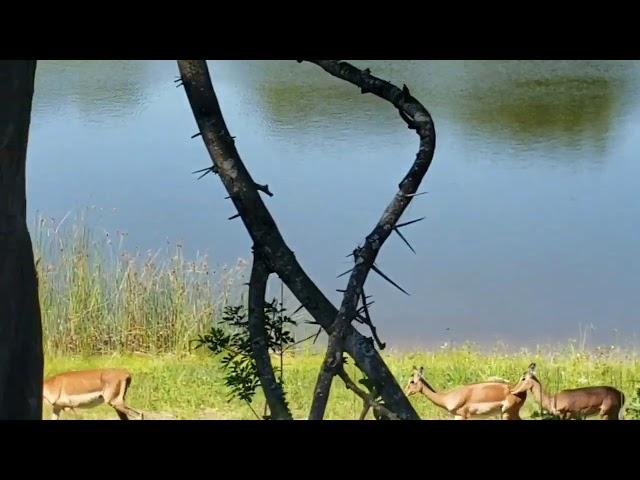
{"type": "Point", "coordinates": [468, 401]}
{"type": "Point", "coordinates": [607, 402]}
{"type": "Point", "coordinates": [87, 389]}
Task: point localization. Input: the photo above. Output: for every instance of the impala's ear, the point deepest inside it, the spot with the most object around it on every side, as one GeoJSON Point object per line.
{"type": "Point", "coordinates": [421, 370]}
{"type": "Point", "coordinates": [532, 369]}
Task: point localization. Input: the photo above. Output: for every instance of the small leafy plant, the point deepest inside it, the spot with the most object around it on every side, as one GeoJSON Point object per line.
{"type": "Point", "coordinates": [632, 410]}
{"type": "Point", "coordinates": [230, 339]}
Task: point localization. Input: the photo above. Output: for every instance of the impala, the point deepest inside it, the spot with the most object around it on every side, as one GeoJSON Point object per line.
{"type": "Point", "coordinates": [468, 401]}
{"type": "Point", "coordinates": [87, 389]}
{"type": "Point", "coordinates": [608, 402]}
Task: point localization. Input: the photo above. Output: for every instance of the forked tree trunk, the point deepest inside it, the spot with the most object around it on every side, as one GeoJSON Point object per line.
{"type": "Point", "coordinates": [21, 357]}
{"type": "Point", "coordinates": [268, 241]}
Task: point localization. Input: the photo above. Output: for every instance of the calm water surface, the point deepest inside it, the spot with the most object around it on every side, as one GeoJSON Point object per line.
{"type": "Point", "coordinates": [532, 214]}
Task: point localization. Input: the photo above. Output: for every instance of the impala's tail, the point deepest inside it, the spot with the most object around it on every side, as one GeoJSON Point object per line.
{"type": "Point", "coordinates": [622, 406]}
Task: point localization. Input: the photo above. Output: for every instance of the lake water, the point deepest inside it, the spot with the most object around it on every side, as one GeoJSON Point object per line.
{"type": "Point", "coordinates": [531, 227]}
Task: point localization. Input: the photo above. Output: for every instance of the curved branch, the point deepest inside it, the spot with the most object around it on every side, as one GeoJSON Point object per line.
{"type": "Point", "coordinates": [417, 118]}
{"type": "Point", "coordinates": [268, 239]}
{"type": "Point", "coordinates": [259, 346]}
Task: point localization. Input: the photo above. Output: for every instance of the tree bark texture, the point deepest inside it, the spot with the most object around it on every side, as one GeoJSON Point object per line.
{"type": "Point", "coordinates": [267, 239]}
{"type": "Point", "coordinates": [21, 356]}
{"type": "Point", "coordinates": [273, 391]}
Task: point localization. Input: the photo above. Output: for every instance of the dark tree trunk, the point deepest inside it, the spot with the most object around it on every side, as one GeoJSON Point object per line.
{"type": "Point", "coordinates": [21, 357]}
{"type": "Point", "coordinates": [273, 391]}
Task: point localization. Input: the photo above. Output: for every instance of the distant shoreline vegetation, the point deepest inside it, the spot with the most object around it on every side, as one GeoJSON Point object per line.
{"type": "Point", "coordinates": [99, 298]}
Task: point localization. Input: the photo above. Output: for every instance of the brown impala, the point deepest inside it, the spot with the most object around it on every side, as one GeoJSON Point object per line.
{"type": "Point", "coordinates": [608, 402]}
{"type": "Point", "coordinates": [87, 389]}
{"type": "Point", "coordinates": [468, 401]}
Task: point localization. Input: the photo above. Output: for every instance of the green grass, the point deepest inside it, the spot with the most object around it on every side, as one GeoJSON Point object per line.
{"type": "Point", "coordinates": [103, 306]}
{"type": "Point", "coordinates": [191, 386]}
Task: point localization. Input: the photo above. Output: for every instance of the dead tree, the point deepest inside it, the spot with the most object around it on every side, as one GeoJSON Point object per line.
{"type": "Point", "coordinates": [272, 255]}
{"type": "Point", "coordinates": [418, 119]}
{"type": "Point", "coordinates": [21, 357]}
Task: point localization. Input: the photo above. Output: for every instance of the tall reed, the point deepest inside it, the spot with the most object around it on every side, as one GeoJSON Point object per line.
{"type": "Point", "coordinates": [97, 298]}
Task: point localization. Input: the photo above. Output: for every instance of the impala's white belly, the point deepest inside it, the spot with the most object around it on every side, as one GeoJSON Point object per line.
{"type": "Point", "coordinates": [80, 400]}
{"type": "Point", "coordinates": [485, 409]}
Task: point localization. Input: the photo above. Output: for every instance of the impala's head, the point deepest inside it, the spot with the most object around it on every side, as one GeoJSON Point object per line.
{"type": "Point", "coordinates": [414, 385]}
{"type": "Point", "coordinates": [527, 381]}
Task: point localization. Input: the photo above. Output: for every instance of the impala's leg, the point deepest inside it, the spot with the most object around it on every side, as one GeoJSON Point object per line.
{"type": "Point", "coordinates": [609, 411]}
{"type": "Point", "coordinates": [511, 416]}
{"type": "Point", "coordinates": [122, 413]}
{"type": "Point", "coordinates": [124, 395]}
{"type": "Point", "coordinates": [119, 404]}
{"type": "Point", "coordinates": [113, 395]}
{"type": "Point", "coordinates": [55, 415]}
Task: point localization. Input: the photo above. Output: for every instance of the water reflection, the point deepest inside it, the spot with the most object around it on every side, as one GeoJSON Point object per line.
{"type": "Point", "coordinates": [566, 112]}
{"type": "Point", "coordinates": [515, 252]}
{"type": "Point", "coordinates": [96, 89]}
{"type": "Point", "coordinates": [563, 105]}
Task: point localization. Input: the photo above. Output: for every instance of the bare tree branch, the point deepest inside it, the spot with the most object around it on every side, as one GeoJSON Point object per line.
{"type": "Point", "coordinates": [417, 118]}
{"type": "Point", "coordinates": [369, 323]}
{"type": "Point", "coordinates": [367, 400]}
{"type": "Point", "coordinates": [273, 391]}
{"type": "Point", "coordinates": [267, 238]}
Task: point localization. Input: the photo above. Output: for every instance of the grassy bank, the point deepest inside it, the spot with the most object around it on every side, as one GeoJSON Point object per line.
{"type": "Point", "coordinates": [191, 386]}
{"type": "Point", "coordinates": [104, 306]}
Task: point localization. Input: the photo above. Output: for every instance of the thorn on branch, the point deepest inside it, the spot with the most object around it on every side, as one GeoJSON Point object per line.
{"type": "Point", "coordinates": [317, 335]}
{"type": "Point", "coordinates": [179, 83]}
{"type": "Point", "coordinates": [263, 188]}
{"type": "Point", "coordinates": [233, 216]}
{"type": "Point", "coordinates": [411, 124]}
{"type": "Point", "coordinates": [211, 169]}
{"type": "Point", "coordinates": [363, 307]}
{"type": "Point", "coordinates": [340, 290]}
{"type": "Point", "coordinates": [374, 331]}
{"type": "Point", "coordinates": [395, 229]}
{"type": "Point", "coordinates": [406, 94]}
{"type": "Point", "coordinates": [344, 273]}
{"type": "Point", "coordinates": [409, 195]}
{"type": "Point", "coordinates": [377, 270]}
{"type": "Point", "coordinates": [400, 225]}
{"type": "Point", "coordinates": [196, 135]}
{"type": "Point", "coordinates": [297, 310]}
